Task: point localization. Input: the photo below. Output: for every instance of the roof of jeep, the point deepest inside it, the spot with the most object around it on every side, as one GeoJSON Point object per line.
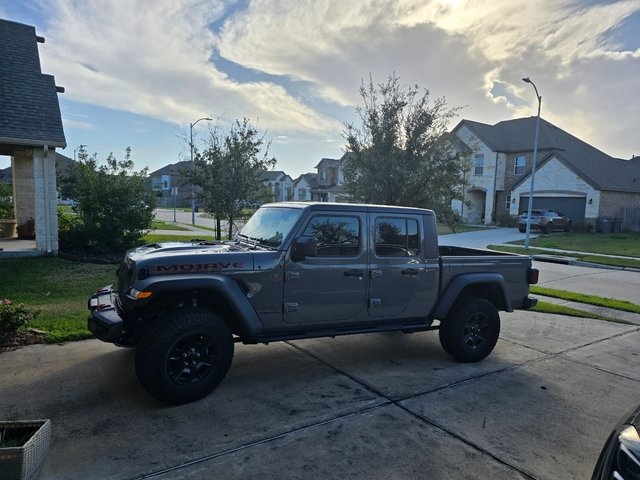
{"type": "Point", "coordinates": [351, 207]}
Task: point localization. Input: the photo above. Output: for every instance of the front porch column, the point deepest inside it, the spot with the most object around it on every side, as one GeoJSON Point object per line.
{"type": "Point", "coordinates": [35, 194]}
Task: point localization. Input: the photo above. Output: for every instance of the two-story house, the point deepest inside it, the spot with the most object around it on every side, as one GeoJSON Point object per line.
{"type": "Point", "coordinates": [170, 186]}
{"type": "Point", "coordinates": [280, 184]}
{"type": "Point", "coordinates": [571, 175]}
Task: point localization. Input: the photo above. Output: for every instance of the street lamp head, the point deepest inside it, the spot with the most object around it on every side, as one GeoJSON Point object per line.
{"type": "Point", "coordinates": [527, 80]}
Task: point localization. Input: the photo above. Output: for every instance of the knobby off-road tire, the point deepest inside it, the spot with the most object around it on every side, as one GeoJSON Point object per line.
{"type": "Point", "coordinates": [471, 329]}
{"type": "Point", "coordinates": [184, 356]}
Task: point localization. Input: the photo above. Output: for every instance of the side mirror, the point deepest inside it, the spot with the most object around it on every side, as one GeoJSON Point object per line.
{"type": "Point", "coordinates": [304, 247]}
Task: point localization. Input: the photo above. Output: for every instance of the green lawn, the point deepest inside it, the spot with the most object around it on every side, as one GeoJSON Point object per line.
{"type": "Point", "coordinates": [626, 244]}
{"type": "Point", "coordinates": [160, 225]}
{"type": "Point", "coordinates": [599, 259]}
{"type": "Point", "coordinates": [613, 303]}
{"type": "Point", "coordinates": [58, 288]}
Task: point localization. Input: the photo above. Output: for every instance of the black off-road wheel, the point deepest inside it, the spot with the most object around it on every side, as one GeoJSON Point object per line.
{"type": "Point", "coordinates": [471, 329]}
{"type": "Point", "coordinates": [184, 356]}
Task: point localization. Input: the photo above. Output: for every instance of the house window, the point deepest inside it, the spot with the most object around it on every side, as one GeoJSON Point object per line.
{"type": "Point", "coordinates": [302, 194]}
{"type": "Point", "coordinates": [519, 165]}
{"type": "Point", "coordinates": [478, 163]}
{"type": "Point", "coordinates": [397, 237]}
{"type": "Point", "coordinates": [507, 203]}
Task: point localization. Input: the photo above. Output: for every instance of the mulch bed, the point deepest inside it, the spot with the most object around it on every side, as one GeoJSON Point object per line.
{"type": "Point", "coordinates": [91, 257]}
{"type": "Point", "coordinates": [14, 340]}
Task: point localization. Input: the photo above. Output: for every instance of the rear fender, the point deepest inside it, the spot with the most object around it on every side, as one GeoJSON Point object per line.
{"type": "Point", "coordinates": [490, 286]}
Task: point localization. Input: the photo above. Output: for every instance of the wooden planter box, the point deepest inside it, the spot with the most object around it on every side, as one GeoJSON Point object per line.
{"type": "Point", "coordinates": [25, 460]}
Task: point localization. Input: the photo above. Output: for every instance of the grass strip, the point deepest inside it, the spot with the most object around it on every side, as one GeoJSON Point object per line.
{"type": "Point", "coordinates": [598, 259]}
{"type": "Point", "coordinates": [160, 225]}
{"type": "Point", "coordinates": [612, 303]}
{"type": "Point", "coordinates": [57, 287]}
{"type": "Point", "coordinates": [547, 307]}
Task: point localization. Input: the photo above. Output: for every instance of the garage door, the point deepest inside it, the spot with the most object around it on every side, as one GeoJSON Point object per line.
{"type": "Point", "coordinates": [572, 207]}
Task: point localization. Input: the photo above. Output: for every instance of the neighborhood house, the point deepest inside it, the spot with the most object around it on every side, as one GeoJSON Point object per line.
{"type": "Point", "coordinates": [571, 176]}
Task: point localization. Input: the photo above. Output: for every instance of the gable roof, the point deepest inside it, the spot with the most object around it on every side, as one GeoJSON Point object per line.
{"type": "Point", "coordinates": [310, 178]}
{"type": "Point", "coordinates": [30, 110]}
{"type": "Point", "coordinates": [328, 162]}
{"type": "Point", "coordinates": [274, 176]}
{"type": "Point", "coordinates": [173, 169]}
{"type": "Point", "coordinates": [596, 167]}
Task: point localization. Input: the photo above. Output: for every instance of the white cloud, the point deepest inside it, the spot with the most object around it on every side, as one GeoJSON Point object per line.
{"type": "Point", "coordinates": [154, 59]}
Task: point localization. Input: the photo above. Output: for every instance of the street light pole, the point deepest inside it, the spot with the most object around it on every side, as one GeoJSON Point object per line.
{"type": "Point", "coordinates": [76, 149]}
{"type": "Point", "coordinates": [533, 163]}
{"type": "Point", "coordinates": [193, 190]}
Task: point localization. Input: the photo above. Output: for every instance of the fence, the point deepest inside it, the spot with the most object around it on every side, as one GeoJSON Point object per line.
{"type": "Point", "coordinates": [631, 219]}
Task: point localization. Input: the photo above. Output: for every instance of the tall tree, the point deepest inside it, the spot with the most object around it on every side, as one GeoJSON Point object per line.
{"type": "Point", "coordinates": [402, 153]}
{"type": "Point", "coordinates": [228, 171]}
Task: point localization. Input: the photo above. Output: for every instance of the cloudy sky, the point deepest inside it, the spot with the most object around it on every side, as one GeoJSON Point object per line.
{"type": "Point", "coordinates": [137, 73]}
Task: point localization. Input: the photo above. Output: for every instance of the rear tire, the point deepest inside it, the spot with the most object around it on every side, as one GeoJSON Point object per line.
{"type": "Point", "coordinates": [569, 227]}
{"type": "Point", "coordinates": [548, 227]}
{"type": "Point", "coordinates": [185, 356]}
{"type": "Point", "coordinates": [522, 230]}
{"type": "Point", "coordinates": [471, 329]}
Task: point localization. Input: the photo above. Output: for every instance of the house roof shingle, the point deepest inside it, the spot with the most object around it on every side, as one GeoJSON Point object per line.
{"type": "Point", "coordinates": [30, 110]}
{"type": "Point", "coordinates": [596, 167]}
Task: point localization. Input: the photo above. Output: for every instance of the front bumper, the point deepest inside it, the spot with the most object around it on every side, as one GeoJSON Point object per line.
{"type": "Point", "coordinates": [104, 321]}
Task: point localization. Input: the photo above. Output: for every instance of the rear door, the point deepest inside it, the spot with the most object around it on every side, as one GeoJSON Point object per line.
{"type": "Point", "coordinates": [403, 283]}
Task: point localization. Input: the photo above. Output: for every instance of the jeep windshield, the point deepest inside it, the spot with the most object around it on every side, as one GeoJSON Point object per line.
{"type": "Point", "coordinates": [269, 226]}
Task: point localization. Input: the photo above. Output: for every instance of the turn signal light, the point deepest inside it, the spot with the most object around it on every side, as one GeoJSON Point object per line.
{"type": "Point", "coordinates": [140, 295]}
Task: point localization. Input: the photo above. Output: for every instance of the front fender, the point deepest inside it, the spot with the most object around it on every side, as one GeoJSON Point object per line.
{"type": "Point", "coordinates": [461, 282]}
{"type": "Point", "coordinates": [223, 285]}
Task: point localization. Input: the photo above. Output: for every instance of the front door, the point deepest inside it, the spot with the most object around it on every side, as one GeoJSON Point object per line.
{"type": "Point", "coordinates": [332, 286]}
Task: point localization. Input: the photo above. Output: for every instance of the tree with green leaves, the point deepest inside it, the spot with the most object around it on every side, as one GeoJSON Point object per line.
{"type": "Point", "coordinates": [114, 205]}
{"type": "Point", "coordinates": [402, 153]}
{"type": "Point", "coordinates": [228, 171]}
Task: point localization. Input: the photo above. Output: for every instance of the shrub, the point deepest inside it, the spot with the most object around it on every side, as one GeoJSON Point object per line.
{"type": "Point", "coordinates": [6, 201]}
{"type": "Point", "coordinates": [114, 206]}
{"type": "Point", "coordinates": [506, 220]}
{"type": "Point", "coordinates": [582, 227]}
{"type": "Point", "coordinates": [15, 316]}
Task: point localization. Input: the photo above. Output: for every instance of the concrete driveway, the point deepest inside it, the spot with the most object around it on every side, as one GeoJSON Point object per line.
{"type": "Point", "coordinates": [371, 406]}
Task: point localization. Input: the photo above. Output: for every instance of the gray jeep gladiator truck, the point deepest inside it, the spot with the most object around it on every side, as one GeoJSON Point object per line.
{"type": "Point", "coordinates": [302, 270]}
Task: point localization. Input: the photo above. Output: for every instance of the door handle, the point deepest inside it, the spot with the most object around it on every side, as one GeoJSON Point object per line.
{"type": "Point", "coordinates": [410, 271]}
{"type": "Point", "coordinates": [354, 273]}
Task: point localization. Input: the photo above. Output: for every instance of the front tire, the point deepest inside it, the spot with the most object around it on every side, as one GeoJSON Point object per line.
{"type": "Point", "coordinates": [548, 227]}
{"type": "Point", "coordinates": [185, 356]}
{"type": "Point", "coordinates": [471, 329]}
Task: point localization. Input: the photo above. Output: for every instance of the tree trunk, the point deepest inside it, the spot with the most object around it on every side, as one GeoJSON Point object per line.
{"type": "Point", "coordinates": [218, 228]}
{"type": "Point", "coordinates": [230, 227]}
